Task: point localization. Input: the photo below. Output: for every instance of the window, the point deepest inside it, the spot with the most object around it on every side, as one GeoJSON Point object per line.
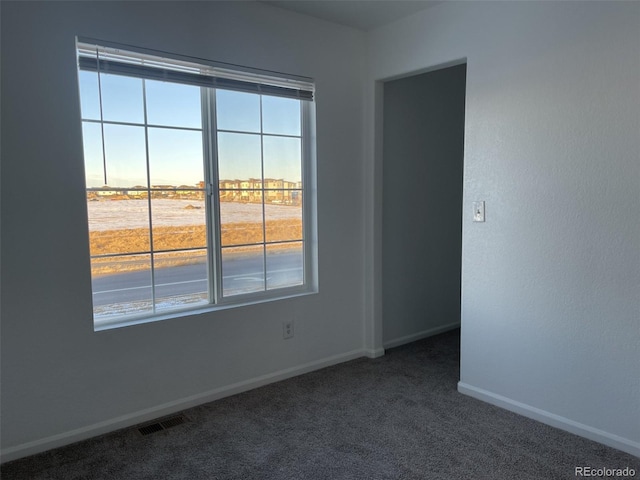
{"type": "Point", "coordinates": [199, 184]}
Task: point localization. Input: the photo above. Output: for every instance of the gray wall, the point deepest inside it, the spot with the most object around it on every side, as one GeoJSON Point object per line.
{"type": "Point", "coordinates": [61, 381]}
{"type": "Point", "coordinates": [551, 281]}
{"type": "Point", "coordinates": [423, 148]}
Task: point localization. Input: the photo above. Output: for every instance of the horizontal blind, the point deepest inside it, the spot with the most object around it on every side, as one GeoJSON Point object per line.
{"type": "Point", "coordinates": [119, 62]}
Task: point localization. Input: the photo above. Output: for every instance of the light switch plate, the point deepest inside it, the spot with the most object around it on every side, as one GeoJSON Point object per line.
{"type": "Point", "coordinates": [478, 211]}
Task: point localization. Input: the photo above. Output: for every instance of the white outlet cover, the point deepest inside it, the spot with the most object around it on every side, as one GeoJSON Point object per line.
{"type": "Point", "coordinates": [287, 330]}
{"type": "Point", "coordinates": [478, 211]}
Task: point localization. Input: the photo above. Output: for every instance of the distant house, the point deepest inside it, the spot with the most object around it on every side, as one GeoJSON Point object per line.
{"type": "Point", "coordinates": [107, 191]}
{"type": "Point", "coordinates": [187, 191]}
{"type": "Point", "coordinates": [282, 191]}
{"type": "Point", "coordinates": [138, 191]}
{"type": "Point", "coordinates": [276, 190]}
{"type": "Point", "coordinates": [229, 190]}
{"type": "Point", "coordinates": [163, 191]}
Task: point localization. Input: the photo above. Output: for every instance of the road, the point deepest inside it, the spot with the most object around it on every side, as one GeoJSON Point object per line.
{"type": "Point", "coordinates": [240, 274]}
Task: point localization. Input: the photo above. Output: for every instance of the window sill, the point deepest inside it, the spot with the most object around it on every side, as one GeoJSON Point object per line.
{"type": "Point", "coordinates": [110, 324]}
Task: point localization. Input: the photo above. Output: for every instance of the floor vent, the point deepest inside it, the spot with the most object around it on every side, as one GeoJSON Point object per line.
{"type": "Point", "coordinates": [163, 425]}
{"type": "Point", "coordinates": [173, 421]}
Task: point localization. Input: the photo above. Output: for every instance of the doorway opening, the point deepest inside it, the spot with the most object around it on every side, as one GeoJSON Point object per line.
{"type": "Point", "coordinates": [422, 187]}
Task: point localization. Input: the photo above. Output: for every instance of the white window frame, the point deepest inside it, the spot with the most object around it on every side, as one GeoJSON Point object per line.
{"type": "Point", "coordinates": [262, 79]}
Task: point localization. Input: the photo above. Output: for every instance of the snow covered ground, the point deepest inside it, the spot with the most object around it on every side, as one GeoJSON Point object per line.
{"type": "Point", "coordinates": [123, 214]}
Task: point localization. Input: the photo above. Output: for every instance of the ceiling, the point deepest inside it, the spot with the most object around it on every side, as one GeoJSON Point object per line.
{"type": "Point", "coordinates": [361, 14]}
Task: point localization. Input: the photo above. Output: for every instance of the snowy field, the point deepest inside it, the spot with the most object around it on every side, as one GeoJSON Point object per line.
{"type": "Point", "coordinates": [123, 214]}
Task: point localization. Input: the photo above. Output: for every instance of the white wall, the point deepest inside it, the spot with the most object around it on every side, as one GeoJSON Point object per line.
{"type": "Point", "coordinates": [61, 381]}
{"type": "Point", "coordinates": [551, 297]}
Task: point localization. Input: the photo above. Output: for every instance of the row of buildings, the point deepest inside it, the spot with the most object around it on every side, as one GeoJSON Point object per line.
{"type": "Point", "coordinates": [253, 190]}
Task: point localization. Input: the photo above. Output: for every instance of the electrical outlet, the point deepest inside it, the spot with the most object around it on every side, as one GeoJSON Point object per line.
{"type": "Point", "coordinates": [287, 329]}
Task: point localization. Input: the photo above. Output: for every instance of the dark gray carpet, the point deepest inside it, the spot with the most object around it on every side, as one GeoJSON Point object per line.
{"type": "Point", "coordinates": [396, 417]}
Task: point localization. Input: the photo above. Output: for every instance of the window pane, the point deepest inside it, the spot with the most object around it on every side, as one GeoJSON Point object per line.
{"type": "Point", "coordinates": [241, 223]}
{"type": "Point", "coordinates": [239, 157]}
{"type": "Point", "coordinates": [242, 270]}
{"type": "Point", "coordinates": [280, 115]}
{"type": "Point", "coordinates": [126, 156]}
{"type": "Point", "coordinates": [175, 157]}
{"type": "Point", "coordinates": [238, 111]}
{"type": "Point", "coordinates": [282, 159]}
{"type": "Point", "coordinates": [121, 286]}
{"type": "Point", "coordinates": [117, 226]}
{"type": "Point", "coordinates": [93, 160]}
{"type": "Point", "coordinates": [178, 223]}
{"type": "Point", "coordinates": [173, 104]}
{"type": "Point", "coordinates": [285, 265]}
{"type": "Point", "coordinates": [283, 222]}
{"type": "Point", "coordinates": [181, 279]}
{"type": "Point", "coordinates": [121, 98]}
{"type": "Point", "coordinates": [89, 95]}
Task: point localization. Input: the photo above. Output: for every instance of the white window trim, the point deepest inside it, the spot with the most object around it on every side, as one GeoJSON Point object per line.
{"type": "Point", "coordinates": [218, 302]}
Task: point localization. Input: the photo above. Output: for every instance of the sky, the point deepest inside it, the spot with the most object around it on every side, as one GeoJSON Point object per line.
{"type": "Point", "coordinates": [175, 154]}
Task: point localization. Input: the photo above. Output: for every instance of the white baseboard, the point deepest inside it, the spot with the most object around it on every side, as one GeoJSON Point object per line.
{"type": "Point", "coordinates": [420, 335]}
{"type": "Point", "coordinates": [554, 420]}
{"type": "Point", "coordinates": [135, 418]}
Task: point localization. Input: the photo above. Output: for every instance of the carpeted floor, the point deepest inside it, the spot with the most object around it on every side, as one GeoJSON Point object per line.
{"type": "Point", "coordinates": [395, 417]}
